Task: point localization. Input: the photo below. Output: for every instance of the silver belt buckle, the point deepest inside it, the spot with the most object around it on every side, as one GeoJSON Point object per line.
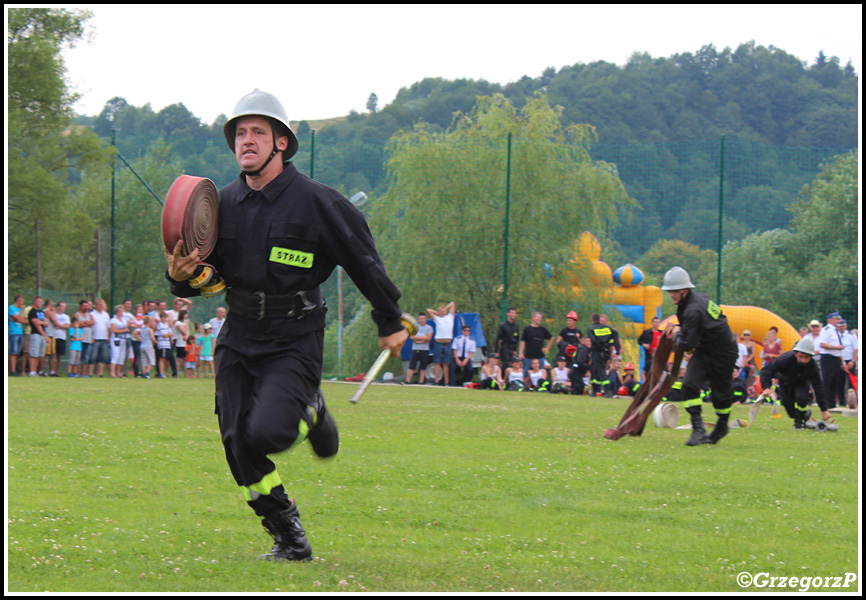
{"type": "Point", "coordinates": [304, 310]}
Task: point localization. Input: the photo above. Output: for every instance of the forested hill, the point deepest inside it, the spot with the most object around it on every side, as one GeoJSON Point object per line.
{"type": "Point", "coordinates": [753, 93]}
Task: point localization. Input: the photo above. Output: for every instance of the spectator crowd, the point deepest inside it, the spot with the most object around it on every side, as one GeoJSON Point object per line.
{"type": "Point", "coordinates": [591, 362]}
{"type": "Point", "coordinates": [146, 340]}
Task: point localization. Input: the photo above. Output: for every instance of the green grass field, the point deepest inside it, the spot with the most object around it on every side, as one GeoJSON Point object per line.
{"type": "Point", "coordinates": [122, 486]}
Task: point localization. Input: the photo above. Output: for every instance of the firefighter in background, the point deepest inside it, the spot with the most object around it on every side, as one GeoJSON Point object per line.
{"type": "Point", "coordinates": [602, 339]}
{"type": "Point", "coordinates": [702, 328]}
{"type": "Point", "coordinates": [796, 371]}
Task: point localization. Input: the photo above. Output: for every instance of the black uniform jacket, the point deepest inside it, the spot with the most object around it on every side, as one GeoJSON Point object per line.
{"type": "Point", "coordinates": [508, 334]}
{"type": "Point", "coordinates": [703, 326]}
{"type": "Point", "coordinates": [791, 374]}
{"type": "Point", "coordinates": [289, 237]}
{"type": "Point", "coordinates": [603, 338]}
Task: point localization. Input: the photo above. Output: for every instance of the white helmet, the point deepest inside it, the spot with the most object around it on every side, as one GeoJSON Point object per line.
{"type": "Point", "coordinates": [805, 346]}
{"type": "Point", "coordinates": [265, 105]}
{"type": "Point", "coordinates": [677, 279]}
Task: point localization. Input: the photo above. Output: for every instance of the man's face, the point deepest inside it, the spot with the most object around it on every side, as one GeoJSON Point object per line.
{"type": "Point", "coordinates": [536, 319]}
{"type": "Point", "coordinates": [37, 303]}
{"type": "Point", "coordinates": [571, 322]}
{"type": "Point", "coordinates": [61, 307]}
{"type": "Point", "coordinates": [254, 142]}
{"type": "Point", "coordinates": [677, 295]}
{"type": "Point", "coordinates": [221, 313]}
{"type": "Point", "coordinates": [422, 320]}
{"type": "Point", "coordinates": [511, 315]}
{"type": "Point", "coordinates": [655, 323]}
{"type": "Point", "coordinates": [802, 358]}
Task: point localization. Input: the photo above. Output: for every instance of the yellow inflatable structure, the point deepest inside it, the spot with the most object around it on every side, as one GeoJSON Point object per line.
{"type": "Point", "coordinates": [640, 303]}
{"type": "Point", "coordinates": [758, 321]}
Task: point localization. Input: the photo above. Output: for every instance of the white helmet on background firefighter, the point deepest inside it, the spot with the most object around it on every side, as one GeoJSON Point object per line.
{"type": "Point", "coordinates": [677, 279]}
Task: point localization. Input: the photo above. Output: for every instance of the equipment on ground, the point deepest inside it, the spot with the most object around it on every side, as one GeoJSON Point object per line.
{"type": "Point", "coordinates": [652, 391]}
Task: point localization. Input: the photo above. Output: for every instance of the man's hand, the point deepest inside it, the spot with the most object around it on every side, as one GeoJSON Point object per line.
{"type": "Point", "coordinates": [673, 331]}
{"type": "Point", "coordinates": [394, 342]}
{"type": "Point", "coordinates": [181, 268]}
{"type": "Point", "coordinates": [825, 415]}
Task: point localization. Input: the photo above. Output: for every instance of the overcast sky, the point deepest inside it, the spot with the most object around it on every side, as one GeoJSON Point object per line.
{"type": "Point", "coordinates": [323, 61]}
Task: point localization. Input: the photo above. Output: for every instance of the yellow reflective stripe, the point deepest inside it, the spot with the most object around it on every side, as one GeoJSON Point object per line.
{"type": "Point", "coordinates": [303, 430]}
{"type": "Point", "coordinates": [692, 402]}
{"type": "Point", "coordinates": [724, 411]}
{"type": "Point", "coordinates": [678, 385]}
{"type": "Point", "coordinates": [602, 331]}
{"type": "Point", "coordinates": [263, 487]}
{"type": "Point", "coordinates": [798, 407]}
{"type": "Point", "coordinates": [714, 310]}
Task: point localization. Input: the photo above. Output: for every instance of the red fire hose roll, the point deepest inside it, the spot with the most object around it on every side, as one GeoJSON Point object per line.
{"type": "Point", "coordinates": [191, 213]}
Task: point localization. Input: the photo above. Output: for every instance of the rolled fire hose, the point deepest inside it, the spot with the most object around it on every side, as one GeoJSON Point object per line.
{"type": "Point", "coordinates": [666, 416]}
{"type": "Point", "coordinates": [191, 214]}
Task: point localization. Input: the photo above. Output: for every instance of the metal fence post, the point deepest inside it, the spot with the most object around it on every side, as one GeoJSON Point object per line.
{"type": "Point", "coordinates": [507, 214]}
{"type": "Point", "coordinates": [721, 215]}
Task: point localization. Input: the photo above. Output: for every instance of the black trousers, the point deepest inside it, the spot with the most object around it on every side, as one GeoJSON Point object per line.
{"type": "Point", "coordinates": [263, 400]}
{"type": "Point", "coordinates": [796, 399]}
{"type": "Point", "coordinates": [714, 367]}
{"type": "Point", "coordinates": [598, 371]}
{"type": "Point", "coordinates": [834, 380]}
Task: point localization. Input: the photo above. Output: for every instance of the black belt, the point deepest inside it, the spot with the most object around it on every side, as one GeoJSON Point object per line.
{"type": "Point", "coordinates": [258, 305]}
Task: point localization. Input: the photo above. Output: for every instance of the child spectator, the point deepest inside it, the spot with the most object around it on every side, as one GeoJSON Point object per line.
{"type": "Point", "coordinates": [163, 344]}
{"type": "Point", "coordinates": [207, 351]}
{"type": "Point", "coordinates": [148, 341]}
{"type": "Point", "coordinates": [192, 351]}
{"type": "Point", "coordinates": [76, 334]}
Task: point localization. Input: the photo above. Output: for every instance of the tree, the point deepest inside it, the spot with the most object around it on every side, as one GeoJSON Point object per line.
{"type": "Point", "coordinates": [373, 103]}
{"type": "Point", "coordinates": [44, 147]}
{"type": "Point", "coordinates": [440, 227]}
{"type": "Point", "coordinates": [812, 268]}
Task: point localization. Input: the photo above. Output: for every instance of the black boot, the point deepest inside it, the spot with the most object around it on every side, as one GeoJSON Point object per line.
{"type": "Point", "coordinates": [699, 434]}
{"type": "Point", "coordinates": [323, 434]}
{"type": "Point", "coordinates": [720, 430]}
{"type": "Point", "coordinates": [290, 541]}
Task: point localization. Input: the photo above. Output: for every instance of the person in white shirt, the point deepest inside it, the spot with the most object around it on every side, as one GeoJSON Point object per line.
{"type": "Point", "coordinates": [491, 374]}
{"type": "Point", "coordinates": [851, 350]}
{"type": "Point", "coordinates": [100, 354]}
{"type": "Point", "coordinates": [119, 342]}
{"type": "Point", "coordinates": [444, 321]}
{"type": "Point", "coordinates": [63, 322]}
{"type": "Point", "coordinates": [832, 367]}
{"type": "Point", "coordinates": [217, 322]}
{"type": "Point", "coordinates": [463, 347]}
{"type": "Point", "coordinates": [561, 376]}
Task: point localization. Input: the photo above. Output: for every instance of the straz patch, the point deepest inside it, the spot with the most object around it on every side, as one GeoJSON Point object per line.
{"type": "Point", "coordinates": [714, 310]}
{"type": "Point", "coordinates": [293, 258]}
